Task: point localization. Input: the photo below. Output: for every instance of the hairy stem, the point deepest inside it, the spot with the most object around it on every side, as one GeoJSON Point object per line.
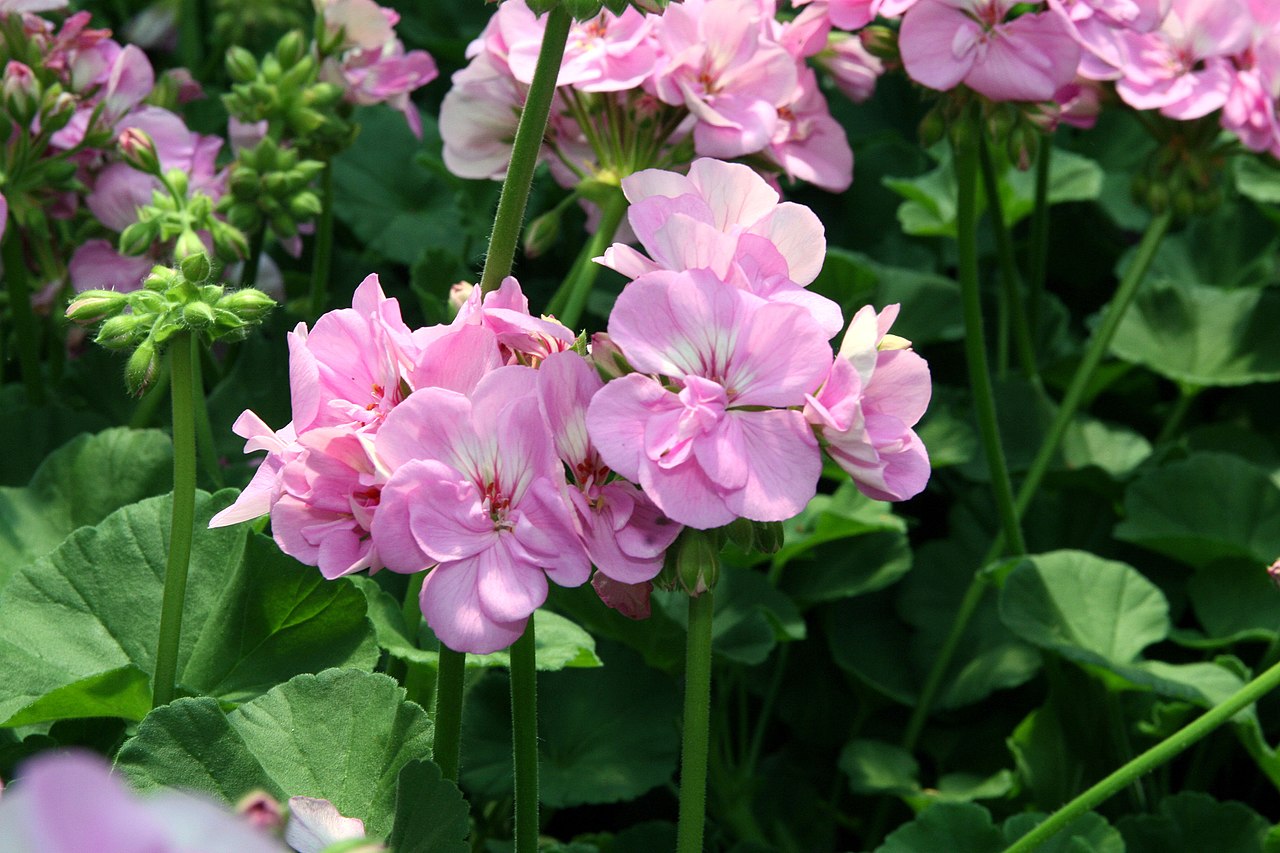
{"type": "Point", "coordinates": [524, 736]}
{"type": "Point", "coordinates": [695, 741]}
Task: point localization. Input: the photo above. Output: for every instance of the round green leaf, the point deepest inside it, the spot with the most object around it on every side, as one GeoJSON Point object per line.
{"type": "Point", "coordinates": [1192, 822]}
{"type": "Point", "coordinates": [342, 735]}
{"type": "Point", "coordinates": [1089, 833]}
{"type": "Point", "coordinates": [953, 827]}
{"type": "Point", "coordinates": [1083, 607]}
{"type": "Point", "coordinates": [431, 815]}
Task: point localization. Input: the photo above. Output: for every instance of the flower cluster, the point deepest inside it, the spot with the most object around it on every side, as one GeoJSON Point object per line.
{"type": "Point", "coordinates": [720, 78]}
{"type": "Point", "coordinates": [490, 450]}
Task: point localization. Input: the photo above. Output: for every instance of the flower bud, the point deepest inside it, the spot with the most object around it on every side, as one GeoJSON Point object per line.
{"type": "Point", "coordinates": [195, 267]}
{"type": "Point", "coordinates": [139, 150]}
{"type": "Point", "coordinates": [197, 315]}
{"type": "Point", "coordinates": [305, 205]}
{"type": "Point", "coordinates": [120, 331]}
{"type": "Point", "coordinates": [189, 243]}
{"type": "Point", "coordinates": [93, 305]}
{"type": "Point", "coordinates": [261, 811]}
{"type": "Point", "coordinates": [769, 536]}
{"type": "Point", "coordinates": [142, 368]}
{"type": "Point", "coordinates": [248, 304]}
{"type": "Point", "coordinates": [458, 296]}
{"type": "Point", "coordinates": [57, 112]}
{"type": "Point", "coordinates": [742, 533]}
{"type": "Point", "coordinates": [697, 561]}
{"type": "Point", "coordinates": [608, 359]}
{"type": "Point", "coordinates": [291, 48]}
{"type": "Point", "coordinates": [138, 237]}
{"type": "Point", "coordinates": [881, 42]}
{"type": "Point", "coordinates": [160, 279]}
{"type": "Point", "coordinates": [148, 302]}
{"type": "Point", "coordinates": [21, 92]}
{"type": "Point", "coordinates": [542, 233]}
{"type": "Point", "coordinates": [241, 65]}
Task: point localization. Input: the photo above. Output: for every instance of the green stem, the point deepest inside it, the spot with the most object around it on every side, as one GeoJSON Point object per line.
{"type": "Point", "coordinates": [1010, 281]}
{"type": "Point", "coordinates": [181, 383]}
{"type": "Point", "coordinates": [697, 725]}
{"type": "Point", "coordinates": [966, 159]}
{"type": "Point", "coordinates": [1066, 411]}
{"type": "Point", "coordinates": [1149, 760]}
{"type": "Point", "coordinates": [249, 273]}
{"type": "Point", "coordinates": [191, 35]}
{"type": "Point", "coordinates": [1186, 396]}
{"type": "Point", "coordinates": [1093, 356]}
{"type": "Point", "coordinates": [322, 258]}
{"type": "Point", "coordinates": [204, 430]}
{"type": "Point", "coordinates": [569, 301]}
{"type": "Point", "coordinates": [524, 736]}
{"type": "Point", "coordinates": [1039, 234]}
{"type": "Point", "coordinates": [524, 152]}
{"type": "Point", "coordinates": [24, 321]}
{"type": "Point", "coordinates": [448, 718]}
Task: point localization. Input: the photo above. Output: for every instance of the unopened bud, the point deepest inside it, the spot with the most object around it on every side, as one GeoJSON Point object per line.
{"type": "Point", "coordinates": [608, 359]}
{"type": "Point", "coordinates": [119, 331]}
{"type": "Point", "coordinates": [697, 561]}
{"type": "Point", "coordinates": [93, 305]}
{"type": "Point", "coordinates": [197, 315]}
{"type": "Point", "coordinates": [542, 233]}
{"type": "Point", "coordinates": [248, 304]}
{"type": "Point", "coordinates": [769, 536]}
{"type": "Point", "coordinates": [261, 811]}
{"type": "Point", "coordinates": [881, 42]}
{"type": "Point", "coordinates": [160, 279]}
{"type": "Point", "coordinates": [305, 205]}
{"type": "Point", "coordinates": [742, 533]}
{"type": "Point", "coordinates": [138, 237]}
{"type": "Point", "coordinates": [291, 48]}
{"type": "Point", "coordinates": [141, 370]}
{"type": "Point", "coordinates": [458, 296]}
{"type": "Point", "coordinates": [189, 243]}
{"type": "Point", "coordinates": [58, 113]}
{"type": "Point", "coordinates": [21, 92]}
{"type": "Point", "coordinates": [139, 150]}
{"type": "Point", "coordinates": [241, 65]}
{"type": "Point", "coordinates": [195, 267]}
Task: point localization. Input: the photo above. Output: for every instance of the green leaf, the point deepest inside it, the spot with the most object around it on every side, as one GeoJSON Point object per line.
{"type": "Point", "coordinates": [39, 430]}
{"type": "Point", "coordinates": [930, 302]}
{"type": "Point", "coordinates": [1257, 178]}
{"type": "Point", "coordinates": [953, 827]}
{"type": "Point", "coordinates": [876, 767]}
{"type": "Point", "coordinates": [1083, 607]}
{"type": "Point", "coordinates": [1192, 822]}
{"type": "Point", "coordinates": [1207, 507]}
{"type": "Point", "coordinates": [1115, 449]}
{"type": "Point", "coordinates": [1089, 833]}
{"type": "Point", "coordinates": [80, 484]}
{"type": "Point", "coordinates": [1235, 600]}
{"type": "Point", "coordinates": [431, 815]}
{"type": "Point", "coordinates": [79, 626]}
{"type": "Point", "coordinates": [604, 735]}
{"type": "Point", "coordinates": [1202, 335]}
{"type": "Point", "coordinates": [342, 735]}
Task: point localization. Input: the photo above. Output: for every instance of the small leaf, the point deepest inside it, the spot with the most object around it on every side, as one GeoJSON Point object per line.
{"type": "Point", "coordinates": [1089, 833]}
{"type": "Point", "coordinates": [875, 767]}
{"type": "Point", "coordinates": [1192, 822]}
{"type": "Point", "coordinates": [431, 815]}
{"type": "Point", "coordinates": [953, 827]}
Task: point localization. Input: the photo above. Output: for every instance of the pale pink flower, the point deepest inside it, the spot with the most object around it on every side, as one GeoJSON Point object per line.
{"type": "Point", "coordinates": [1184, 69]}
{"type": "Point", "coordinates": [11, 7]}
{"type": "Point", "coordinates": [129, 79]}
{"type": "Point", "coordinates": [853, 68]}
{"type": "Point", "coordinates": [624, 533]}
{"type": "Point", "coordinates": [315, 825]}
{"type": "Point", "coordinates": [522, 338]}
{"type": "Point", "coordinates": [808, 144]}
{"type": "Point", "coordinates": [1106, 30]}
{"type": "Point", "coordinates": [477, 491]}
{"type": "Point", "coordinates": [608, 53]}
{"type": "Point", "coordinates": [96, 265]}
{"type": "Point", "coordinates": [267, 485]}
{"type": "Point", "coordinates": [478, 118]}
{"type": "Point", "coordinates": [722, 66]}
{"type": "Point", "coordinates": [725, 444]}
{"type": "Point", "coordinates": [948, 42]}
{"type": "Point", "coordinates": [69, 802]}
{"type": "Point", "coordinates": [876, 391]}
{"type": "Point", "coordinates": [725, 218]}
{"type": "Point", "coordinates": [856, 14]}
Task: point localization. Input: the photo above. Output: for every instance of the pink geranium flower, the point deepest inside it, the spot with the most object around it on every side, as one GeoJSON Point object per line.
{"type": "Point", "coordinates": [608, 53]}
{"type": "Point", "coordinates": [477, 491]}
{"type": "Point", "coordinates": [719, 442]}
{"type": "Point", "coordinates": [874, 394]}
{"type": "Point", "coordinates": [948, 42]}
{"type": "Point", "coordinates": [625, 534]}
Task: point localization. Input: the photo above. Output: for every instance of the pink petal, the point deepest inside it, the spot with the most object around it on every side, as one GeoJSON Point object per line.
{"type": "Point", "coordinates": [785, 465]}
{"type": "Point", "coordinates": [450, 603]}
{"type": "Point", "coordinates": [509, 590]}
{"type": "Point", "coordinates": [617, 416]}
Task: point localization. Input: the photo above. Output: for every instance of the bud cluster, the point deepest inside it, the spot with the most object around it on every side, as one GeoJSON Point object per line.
{"type": "Point", "coordinates": [692, 564]}
{"type": "Point", "coordinates": [171, 301]}
{"type": "Point", "coordinates": [271, 185]}
{"type": "Point", "coordinates": [285, 91]}
{"type": "Point", "coordinates": [1185, 173]}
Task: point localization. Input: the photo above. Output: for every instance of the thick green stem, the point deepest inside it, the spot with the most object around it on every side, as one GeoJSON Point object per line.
{"type": "Point", "coordinates": [1039, 251]}
{"type": "Point", "coordinates": [322, 257]}
{"type": "Point", "coordinates": [524, 152]}
{"type": "Point", "coordinates": [569, 301]}
{"type": "Point", "coordinates": [191, 34]}
{"type": "Point", "coordinates": [524, 737]}
{"type": "Point", "coordinates": [24, 320]}
{"type": "Point", "coordinates": [966, 159]}
{"type": "Point", "coordinates": [1010, 281]}
{"type": "Point", "coordinates": [695, 741]}
{"type": "Point", "coordinates": [447, 750]}
{"type": "Point", "coordinates": [181, 383]}
{"type": "Point", "coordinates": [204, 430]}
{"type": "Point", "coordinates": [1149, 760]}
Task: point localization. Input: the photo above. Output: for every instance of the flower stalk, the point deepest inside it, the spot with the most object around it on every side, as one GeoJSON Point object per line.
{"type": "Point", "coordinates": [695, 740]}
{"type": "Point", "coordinates": [524, 735]}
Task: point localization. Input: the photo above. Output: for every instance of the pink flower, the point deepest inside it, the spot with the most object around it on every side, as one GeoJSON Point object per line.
{"type": "Point", "coordinates": [874, 393]}
{"type": "Point", "coordinates": [1184, 69]}
{"type": "Point", "coordinates": [624, 533]}
{"type": "Point", "coordinates": [69, 802]}
{"type": "Point", "coordinates": [477, 491]}
{"type": "Point", "coordinates": [706, 453]}
{"type": "Point", "coordinates": [854, 69]}
{"type": "Point", "coordinates": [948, 42]}
{"type": "Point", "coordinates": [96, 264]}
{"type": "Point", "coordinates": [522, 338]}
{"type": "Point", "coordinates": [478, 119]}
{"type": "Point", "coordinates": [609, 53]}
{"type": "Point", "coordinates": [1106, 30]}
{"type": "Point", "coordinates": [808, 143]}
{"type": "Point", "coordinates": [725, 218]}
{"type": "Point", "coordinates": [721, 66]}
{"type": "Point", "coordinates": [315, 825]}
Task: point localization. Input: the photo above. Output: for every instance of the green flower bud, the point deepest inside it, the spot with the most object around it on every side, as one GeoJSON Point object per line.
{"type": "Point", "coordinates": [542, 233]}
{"type": "Point", "coordinates": [291, 48]}
{"type": "Point", "coordinates": [742, 533]}
{"type": "Point", "coordinates": [197, 315]}
{"type": "Point", "coordinates": [177, 181]}
{"type": "Point", "coordinates": [138, 237]}
{"type": "Point", "coordinates": [142, 368]}
{"type": "Point", "coordinates": [121, 331]}
{"type": "Point", "coordinates": [241, 65]}
{"type": "Point", "coordinates": [195, 267]}
{"type": "Point", "coordinates": [271, 69]}
{"type": "Point", "coordinates": [160, 279]}
{"type": "Point", "coordinates": [139, 150]}
{"type": "Point", "coordinates": [697, 561]}
{"type": "Point", "coordinates": [248, 304]}
{"type": "Point", "coordinates": [305, 205]}
{"type": "Point", "coordinates": [188, 244]}
{"type": "Point", "coordinates": [94, 305]}
{"type": "Point", "coordinates": [769, 536]}
{"type": "Point", "coordinates": [143, 302]}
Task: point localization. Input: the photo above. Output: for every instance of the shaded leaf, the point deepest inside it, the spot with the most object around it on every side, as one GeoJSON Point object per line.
{"type": "Point", "coordinates": [431, 815]}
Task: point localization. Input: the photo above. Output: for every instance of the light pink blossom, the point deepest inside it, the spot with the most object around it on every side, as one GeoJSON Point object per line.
{"type": "Point", "coordinates": [724, 443]}
{"type": "Point", "coordinates": [853, 68]}
{"type": "Point", "coordinates": [948, 42]}
{"type": "Point", "coordinates": [608, 53]}
{"type": "Point", "coordinates": [477, 491]}
{"type": "Point", "coordinates": [873, 395]}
